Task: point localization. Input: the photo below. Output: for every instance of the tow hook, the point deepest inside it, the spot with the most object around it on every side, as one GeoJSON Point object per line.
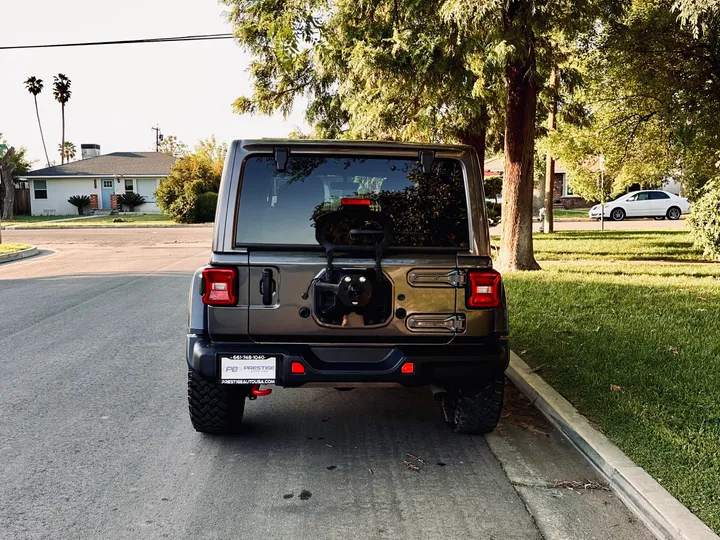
{"type": "Point", "coordinates": [256, 392]}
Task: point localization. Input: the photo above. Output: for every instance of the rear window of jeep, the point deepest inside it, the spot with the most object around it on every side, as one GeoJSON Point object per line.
{"type": "Point", "coordinates": [280, 208]}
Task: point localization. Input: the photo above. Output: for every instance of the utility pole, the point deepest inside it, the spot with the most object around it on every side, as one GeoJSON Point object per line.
{"type": "Point", "coordinates": [550, 167]}
{"type": "Point", "coordinates": [158, 137]}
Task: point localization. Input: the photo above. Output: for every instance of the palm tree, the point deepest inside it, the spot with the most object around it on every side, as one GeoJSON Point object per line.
{"type": "Point", "coordinates": [61, 91]}
{"type": "Point", "coordinates": [67, 151]}
{"type": "Point", "coordinates": [35, 86]}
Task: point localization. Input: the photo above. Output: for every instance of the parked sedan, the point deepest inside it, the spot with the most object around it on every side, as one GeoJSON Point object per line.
{"type": "Point", "coordinates": [656, 204]}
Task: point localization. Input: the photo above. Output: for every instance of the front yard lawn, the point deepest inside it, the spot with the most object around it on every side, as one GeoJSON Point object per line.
{"type": "Point", "coordinates": [615, 245]}
{"type": "Point", "coordinates": [636, 348]}
{"type": "Point", "coordinates": [574, 214]}
{"type": "Point", "coordinates": [120, 220]}
{"type": "Point", "coordinates": [24, 220]}
{"type": "Point", "coordinates": [12, 248]}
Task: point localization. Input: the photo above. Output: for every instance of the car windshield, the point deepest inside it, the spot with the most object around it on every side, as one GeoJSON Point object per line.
{"type": "Point", "coordinates": [281, 208]}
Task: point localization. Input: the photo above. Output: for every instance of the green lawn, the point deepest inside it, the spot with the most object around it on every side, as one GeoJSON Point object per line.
{"type": "Point", "coordinates": [12, 248]}
{"type": "Point", "coordinates": [650, 328]}
{"type": "Point", "coordinates": [142, 220]}
{"type": "Point", "coordinates": [576, 213]}
{"type": "Point", "coordinates": [615, 245]}
{"type": "Point", "coordinates": [22, 220]}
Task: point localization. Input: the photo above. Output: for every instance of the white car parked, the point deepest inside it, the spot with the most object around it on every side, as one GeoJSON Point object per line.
{"type": "Point", "coordinates": [656, 204]}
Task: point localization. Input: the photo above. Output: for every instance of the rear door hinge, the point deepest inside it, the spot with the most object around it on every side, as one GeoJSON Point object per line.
{"type": "Point", "coordinates": [437, 278]}
{"type": "Point", "coordinates": [436, 323]}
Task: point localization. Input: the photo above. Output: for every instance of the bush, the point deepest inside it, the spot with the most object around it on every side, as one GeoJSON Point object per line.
{"type": "Point", "coordinates": [705, 220]}
{"type": "Point", "coordinates": [494, 212]}
{"type": "Point", "coordinates": [205, 206]}
{"type": "Point", "coordinates": [131, 200]}
{"type": "Point", "coordinates": [81, 201]}
{"type": "Point", "coordinates": [191, 177]}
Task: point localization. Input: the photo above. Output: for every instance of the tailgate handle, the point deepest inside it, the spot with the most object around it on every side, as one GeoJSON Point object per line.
{"type": "Point", "coordinates": [267, 287]}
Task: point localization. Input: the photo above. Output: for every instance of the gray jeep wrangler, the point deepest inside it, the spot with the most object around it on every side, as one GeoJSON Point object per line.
{"type": "Point", "coordinates": [344, 264]}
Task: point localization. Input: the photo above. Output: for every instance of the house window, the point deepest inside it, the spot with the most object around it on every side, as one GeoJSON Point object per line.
{"type": "Point", "coordinates": [107, 184]}
{"type": "Point", "coordinates": [567, 190]}
{"type": "Point", "coordinates": [128, 186]}
{"type": "Point", "coordinates": [40, 188]}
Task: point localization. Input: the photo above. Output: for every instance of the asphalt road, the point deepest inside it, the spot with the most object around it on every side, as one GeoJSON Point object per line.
{"type": "Point", "coordinates": [95, 440]}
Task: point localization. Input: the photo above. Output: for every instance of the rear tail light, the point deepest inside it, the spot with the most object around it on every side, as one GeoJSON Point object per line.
{"type": "Point", "coordinates": [355, 202]}
{"type": "Point", "coordinates": [219, 286]}
{"type": "Point", "coordinates": [483, 289]}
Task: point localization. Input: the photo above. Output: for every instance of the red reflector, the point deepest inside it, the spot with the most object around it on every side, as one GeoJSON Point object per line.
{"type": "Point", "coordinates": [219, 286]}
{"type": "Point", "coordinates": [408, 368]}
{"type": "Point", "coordinates": [483, 289]}
{"type": "Point", "coordinates": [355, 202]}
{"type": "Point", "coordinates": [297, 368]}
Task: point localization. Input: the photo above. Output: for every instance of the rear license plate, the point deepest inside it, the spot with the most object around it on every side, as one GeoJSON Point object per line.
{"type": "Point", "coordinates": [248, 369]}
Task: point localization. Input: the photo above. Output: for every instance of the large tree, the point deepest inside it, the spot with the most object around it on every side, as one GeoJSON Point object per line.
{"type": "Point", "coordinates": [62, 93]}
{"type": "Point", "coordinates": [35, 86]}
{"type": "Point", "coordinates": [652, 100]}
{"type": "Point", "coordinates": [12, 164]}
{"type": "Point", "coordinates": [416, 69]}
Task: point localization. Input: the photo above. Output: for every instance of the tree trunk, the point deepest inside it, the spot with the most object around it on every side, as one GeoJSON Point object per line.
{"type": "Point", "coordinates": [6, 169]}
{"type": "Point", "coordinates": [550, 167]}
{"type": "Point", "coordinates": [516, 247]}
{"type": "Point", "coordinates": [42, 137]}
{"type": "Point", "coordinates": [62, 147]}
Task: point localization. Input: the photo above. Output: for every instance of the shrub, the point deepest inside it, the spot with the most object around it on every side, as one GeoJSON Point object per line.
{"type": "Point", "coordinates": [205, 206]}
{"type": "Point", "coordinates": [131, 200]}
{"type": "Point", "coordinates": [192, 176]}
{"type": "Point", "coordinates": [494, 212]}
{"type": "Point", "coordinates": [80, 201]}
{"type": "Point", "coordinates": [705, 220]}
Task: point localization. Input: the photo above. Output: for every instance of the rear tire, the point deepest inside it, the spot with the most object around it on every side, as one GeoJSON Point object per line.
{"type": "Point", "coordinates": [475, 410]}
{"type": "Point", "coordinates": [674, 213]}
{"type": "Point", "coordinates": [618, 214]}
{"type": "Point", "coordinates": [215, 408]}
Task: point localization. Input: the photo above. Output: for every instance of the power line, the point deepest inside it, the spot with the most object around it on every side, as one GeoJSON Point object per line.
{"type": "Point", "coordinates": [200, 37]}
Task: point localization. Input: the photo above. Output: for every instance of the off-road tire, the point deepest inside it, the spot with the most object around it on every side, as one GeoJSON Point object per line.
{"type": "Point", "coordinates": [475, 410]}
{"type": "Point", "coordinates": [215, 408]}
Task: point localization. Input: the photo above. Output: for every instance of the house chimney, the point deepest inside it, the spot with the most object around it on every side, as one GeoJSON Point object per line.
{"type": "Point", "coordinates": [90, 150]}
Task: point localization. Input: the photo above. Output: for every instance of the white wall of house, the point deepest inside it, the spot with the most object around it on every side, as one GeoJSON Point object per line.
{"type": "Point", "coordinates": [58, 190]}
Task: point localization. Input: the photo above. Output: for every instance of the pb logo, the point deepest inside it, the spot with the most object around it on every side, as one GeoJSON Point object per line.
{"type": "Point", "coordinates": [233, 369]}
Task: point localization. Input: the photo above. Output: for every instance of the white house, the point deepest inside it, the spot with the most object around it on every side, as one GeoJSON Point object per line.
{"type": "Point", "coordinates": [99, 177]}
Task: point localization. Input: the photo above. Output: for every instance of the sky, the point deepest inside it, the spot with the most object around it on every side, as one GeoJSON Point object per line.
{"type": "Point", "coordinates": [120, 92]}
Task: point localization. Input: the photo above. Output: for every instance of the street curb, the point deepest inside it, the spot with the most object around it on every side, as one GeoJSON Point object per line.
{"type": "Point", "coordinates": [662, 513]}
{"type": "Point", "coordinates": [17, 255]}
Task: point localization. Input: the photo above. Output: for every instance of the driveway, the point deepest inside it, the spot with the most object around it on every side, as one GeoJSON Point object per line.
{"type": "Point", "coordinates": [95, 440]}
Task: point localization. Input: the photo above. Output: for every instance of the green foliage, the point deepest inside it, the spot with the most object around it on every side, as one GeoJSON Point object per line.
{"type": "Point", "coordinates": [172, 146]}
{"type": "Point", "coordinates": [191, 176]}
{"type": "Point", "coordinates": [705, 220]}
{"type": "Point", "coordinates": [67, 151]}
{"type": "Point", "coordinates": [131, 200]}
{"type": "Point", "coordinates": [205, 206]}
{"type": "Point", "coordinates": [22, 165]}
{"type": "Point", "coordinates": [80, 201]}
{"type": "Point", "coordinates": [61, 88]}
{"type": "Point", "coordinates": [494, 212]}
{"type": "Point", "coordinates": [651, 101]}
{"type": "Point", "coordinates": [493, 187]}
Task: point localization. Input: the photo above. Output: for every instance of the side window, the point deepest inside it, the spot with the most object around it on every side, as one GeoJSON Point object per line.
{"type": "Point", "coordinates": [128, 186]}
{"type": "Point", "coordinates": [40, 189]}
{"type": "Point", "coordinates": [644, 196]}
{"type": "Point", "coordinates": [658, 195]}
{"type": "Point", "coordinates": [631, 199]}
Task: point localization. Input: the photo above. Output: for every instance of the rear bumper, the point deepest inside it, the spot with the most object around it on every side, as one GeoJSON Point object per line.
{"type": "Point", "coordinates": [433, 364]}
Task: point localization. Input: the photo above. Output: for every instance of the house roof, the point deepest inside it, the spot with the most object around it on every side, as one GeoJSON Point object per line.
{"type": "Point", "coordinates": [116, 163]}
